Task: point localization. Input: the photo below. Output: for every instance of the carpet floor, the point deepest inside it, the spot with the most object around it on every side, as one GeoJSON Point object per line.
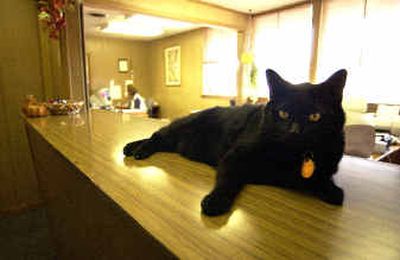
{"type": "Point", "coordinates": [25, 236]}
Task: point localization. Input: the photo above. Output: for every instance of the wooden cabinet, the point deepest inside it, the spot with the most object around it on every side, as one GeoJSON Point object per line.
{"type": "Point", "coordinates": [391, 156]}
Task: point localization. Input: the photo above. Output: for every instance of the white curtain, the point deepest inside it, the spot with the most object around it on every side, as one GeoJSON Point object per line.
{"type": "Point", "coordinates": [220, 63]}
{"type": "Point", "coordinates": [282, 42]}
{"type": "Point", "coordinates": [363, 37]}
{"type": "Point", "coordinates": [381, 56]}
{"type": "Point", "coordinates": [341, 38]}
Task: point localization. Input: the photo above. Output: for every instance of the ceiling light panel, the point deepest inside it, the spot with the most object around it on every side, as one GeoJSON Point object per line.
{"type": "Point", "coordinates": [127, 28]}
{"type": "Point", "coordinates": [144, 25]}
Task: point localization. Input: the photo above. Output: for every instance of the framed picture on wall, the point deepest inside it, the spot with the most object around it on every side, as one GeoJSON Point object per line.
{"type": "Point", "coordinates": [172, 57]}
{"type": "Point", "coordinates": [123, 65]}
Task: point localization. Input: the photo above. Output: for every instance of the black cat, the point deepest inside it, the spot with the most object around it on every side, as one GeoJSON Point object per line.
{"type": "Point", "coordinates": [263, 144]}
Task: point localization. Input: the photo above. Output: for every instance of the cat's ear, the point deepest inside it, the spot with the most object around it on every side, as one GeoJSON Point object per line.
{"type": "Point", "coordinates": [335, 84]}
{"type": "Point", "coordinates": [276, 84]}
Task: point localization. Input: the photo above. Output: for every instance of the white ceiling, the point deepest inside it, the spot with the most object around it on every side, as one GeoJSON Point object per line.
{"type": "Point", "coordinates": [93, 25]}
{"type": "Point", "coordinates": [256, 6]}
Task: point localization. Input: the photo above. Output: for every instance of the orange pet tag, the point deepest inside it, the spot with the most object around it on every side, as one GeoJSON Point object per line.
{"type": "Point", "coordinates": [307, 169]}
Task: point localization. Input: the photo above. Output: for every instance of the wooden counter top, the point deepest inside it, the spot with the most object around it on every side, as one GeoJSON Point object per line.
{"type": "Point", "coordinates": [163, 195]}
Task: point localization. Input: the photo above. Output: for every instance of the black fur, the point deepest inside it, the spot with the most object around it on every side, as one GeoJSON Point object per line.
{"type": "Point", "coordinates": [253, 144]}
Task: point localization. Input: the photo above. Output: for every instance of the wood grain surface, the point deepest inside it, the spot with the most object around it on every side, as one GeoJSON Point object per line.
{"type": "Point", "coordinates": [163, 195]}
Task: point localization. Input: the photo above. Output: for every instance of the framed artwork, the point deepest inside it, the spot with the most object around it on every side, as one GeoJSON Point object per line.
{"type": "Point", "coordinates": [123, 65]}
{"type": "Point", "coordinates": [172, 57]}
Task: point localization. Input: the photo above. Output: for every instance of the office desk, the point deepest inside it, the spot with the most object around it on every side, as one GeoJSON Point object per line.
{"type": "Point", "coordinates": [101, 204]}
{"type": "Point", "coordinates": [392, 155]}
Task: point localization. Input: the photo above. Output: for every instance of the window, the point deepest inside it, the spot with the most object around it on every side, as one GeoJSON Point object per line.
{"type": "Point", "coordinates": [362, 37]}
{"type": "Point", "coordinates": [341, 39]}
{"type": "Point", "coordinates": [282, 42]}
{"type": "Point", "coordinates": [358, 35]}
{"type": "Point", "coordinates": [381, 54]}
{"type": "Point", "coordinates": [220, 63]}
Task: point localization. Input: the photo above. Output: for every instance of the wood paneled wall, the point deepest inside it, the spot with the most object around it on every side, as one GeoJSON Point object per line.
{"type": "Point", "coordinates": [74, 53]}
{"type": "Point", "coordinates": [53, 64]}
{"type": "Point", "coordinates": [20, 74]}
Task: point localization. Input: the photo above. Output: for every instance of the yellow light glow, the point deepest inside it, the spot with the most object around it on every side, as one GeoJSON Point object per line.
{"type": "Point", "coordinates": [151, 174]}
{"type": "Point", "coordinates": [118, 156]}
{"type": "Point", "coordinates": [247, 58]}
{"type": "Point", "coordinates": [237, 218]}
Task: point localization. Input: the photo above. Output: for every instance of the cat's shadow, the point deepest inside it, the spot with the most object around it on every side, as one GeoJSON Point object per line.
{"type": "Point", "coordinates": [215, 222]}
{"type": "Point", "coordinates": [131, 162]}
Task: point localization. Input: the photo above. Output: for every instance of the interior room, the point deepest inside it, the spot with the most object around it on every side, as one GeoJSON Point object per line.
{"type": "Point", "coordinates": [209, 53]}
{"type": "Point", "coordinates": [81, 81]}
{"type": "Point", "coordinates": [199, 45]}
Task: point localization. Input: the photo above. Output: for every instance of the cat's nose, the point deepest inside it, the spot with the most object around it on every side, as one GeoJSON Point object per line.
{"type": "Point", "coordinates": [294, 128]}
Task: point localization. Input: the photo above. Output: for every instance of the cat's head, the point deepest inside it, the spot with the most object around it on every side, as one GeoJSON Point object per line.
{"type": "Point", "coordinates": [307, 109]}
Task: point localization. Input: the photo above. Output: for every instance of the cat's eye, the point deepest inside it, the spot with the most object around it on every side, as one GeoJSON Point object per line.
{"type": "Point", "coordinates": [314, 117]}
{"type": "Point", "coordinates": [283, 114]}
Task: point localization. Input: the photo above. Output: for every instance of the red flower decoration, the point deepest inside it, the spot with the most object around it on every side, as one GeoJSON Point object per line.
{"type": "Point", "coordinates": [51, 13]}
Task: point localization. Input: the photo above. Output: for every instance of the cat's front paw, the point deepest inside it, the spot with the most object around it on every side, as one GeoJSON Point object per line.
{"type": "Point", "coordinates": [214, 205]}
{"type": "Point", "coordinates": [140, 149]}
{"type": "Point", "coordinates": [129, 149]}
{"type": "Point", "coordinates": [334, 195]}
{"type": "Point", "coordinates": [141, 154]}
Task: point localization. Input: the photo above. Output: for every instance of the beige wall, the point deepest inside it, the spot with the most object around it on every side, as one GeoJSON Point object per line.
{"type": "Point", "coordinates": [177, 101]}
{"type": "Point", "coordinates": [148, 69]}
{"type": "Point", "coordinates": [19, 75]}
{"type": "Point", "coordinates": [104, 53]}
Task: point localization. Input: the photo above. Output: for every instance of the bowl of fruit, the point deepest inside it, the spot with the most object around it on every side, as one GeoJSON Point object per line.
{"type": "Point", "coordinates": [64, 107]}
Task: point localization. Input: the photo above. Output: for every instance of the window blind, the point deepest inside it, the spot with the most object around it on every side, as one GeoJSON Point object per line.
{"type": "Point", "coordinates": [381, 53]}
{"type": "Point", "coordinates": [362, 36]}
{"type": "Point", "coordinates": [282, 41]}
{"type": "Point", "coordinates": [220, 63]}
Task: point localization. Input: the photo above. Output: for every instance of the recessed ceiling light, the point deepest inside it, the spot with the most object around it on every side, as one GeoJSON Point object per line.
{"type": "Point", "coordinates": [153, 21]}
{"type": "Point", "coordinates": [127, 28]}
{"type": "Point", "coordinates": [144, 25]}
